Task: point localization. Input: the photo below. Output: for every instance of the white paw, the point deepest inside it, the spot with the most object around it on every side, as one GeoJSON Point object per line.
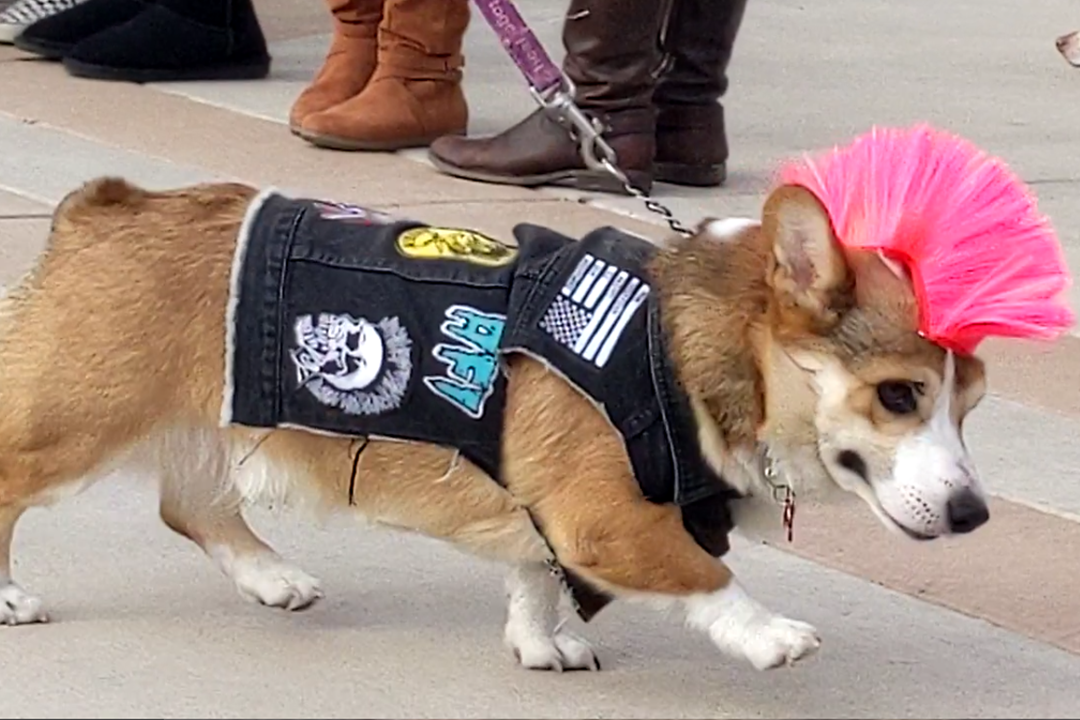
{"type": "Point", "coordinates": [745, 629]}
{"type": "Point", "coordinates": [271, 581]}
{"type": "Point", "coordinates": [563, 651]}
{"type": "Point", "coordinates": [780, 642]}
{"type": "Point", "coordinates": [19, 608]}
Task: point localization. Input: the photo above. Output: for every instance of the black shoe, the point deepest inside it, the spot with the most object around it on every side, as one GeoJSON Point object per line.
{"type": "Point", "coordinates": [53, 37]}
{"type": "Point", "coordinates": [175, 40]}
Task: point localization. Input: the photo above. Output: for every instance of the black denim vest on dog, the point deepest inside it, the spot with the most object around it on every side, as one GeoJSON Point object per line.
{"type": "Point", "coordinates": [345, 321]}
{"type": "Point", "coordinates": [336, 329]}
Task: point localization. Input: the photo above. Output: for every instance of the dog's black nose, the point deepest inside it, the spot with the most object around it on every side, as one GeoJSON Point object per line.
{"type": "Point", "coordinates": [967, 511]}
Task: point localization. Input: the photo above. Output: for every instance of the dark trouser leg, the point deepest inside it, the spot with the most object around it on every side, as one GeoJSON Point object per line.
{"type": "Point", "coordinates": [691, 143]}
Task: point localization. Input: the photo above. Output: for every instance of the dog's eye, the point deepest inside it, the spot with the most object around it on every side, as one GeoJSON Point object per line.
{"type": "Point", "coordinates": [899, 396]}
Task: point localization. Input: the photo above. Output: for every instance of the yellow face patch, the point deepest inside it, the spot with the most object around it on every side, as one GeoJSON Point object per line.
{"type": "Point", "coordinates": [433, 243]}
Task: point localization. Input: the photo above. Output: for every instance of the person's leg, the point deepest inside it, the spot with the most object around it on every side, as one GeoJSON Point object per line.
{"type": "Point", "coordinates": [691, 142]}
{"type": "Point", "coordinates": [349, 63]}
{"type": "Point", "coordinates": [175, 40]}
{"type": "Point", "coordinates": [415, 94]}
{"type": "Point", "coordinates": [612, 56]}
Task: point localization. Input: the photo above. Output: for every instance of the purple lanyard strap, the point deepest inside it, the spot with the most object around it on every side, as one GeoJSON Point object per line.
{"type": "Point", "coordinates": [521, 44]}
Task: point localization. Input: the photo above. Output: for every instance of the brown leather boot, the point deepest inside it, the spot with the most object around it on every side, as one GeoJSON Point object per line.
{"type": "Point", "coordinates": [612, 56]}
{"type": "Point", "coordinates": [691, 142]}
{"type": "Point", "coordinates": [415, 94]}
{"type": "Point", "coordinates": [349, 62]}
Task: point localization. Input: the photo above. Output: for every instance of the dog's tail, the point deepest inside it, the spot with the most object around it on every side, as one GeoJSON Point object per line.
{"type": "Point", "coordinates": [97, 193]}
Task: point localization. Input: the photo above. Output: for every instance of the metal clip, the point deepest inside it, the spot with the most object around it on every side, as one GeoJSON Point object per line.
{"type": "Point", "coordinates": [594, 149]}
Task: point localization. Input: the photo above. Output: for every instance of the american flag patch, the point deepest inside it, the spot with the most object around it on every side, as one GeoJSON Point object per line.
{"type": "Point", "coordinates": [592, 310]}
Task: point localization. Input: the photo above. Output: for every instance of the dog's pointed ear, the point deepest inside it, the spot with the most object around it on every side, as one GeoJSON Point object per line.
{"type": "Point", "coordinates": [810, 269]}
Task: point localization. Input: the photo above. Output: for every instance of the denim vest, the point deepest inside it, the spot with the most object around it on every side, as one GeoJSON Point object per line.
{"type": "Point", "coordinates": [345, 321]}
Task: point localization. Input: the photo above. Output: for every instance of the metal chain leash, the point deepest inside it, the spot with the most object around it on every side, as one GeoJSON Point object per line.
{"type": "Point", "coordinates": [596, 152]}
{"type": "Point", "coordinates": [651, 205]}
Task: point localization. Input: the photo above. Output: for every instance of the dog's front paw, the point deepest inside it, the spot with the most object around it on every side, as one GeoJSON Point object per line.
{"type": "Point", "coordinates": [780, 642]}
{"type": "Point", "coordinates": [747, 630]}
{"type": "Point", "coordinates": [269, 580]}
{"type": "Point", "coordinates": [17, 607]}
{"type": "Point", "coordinates": [563, 651]}
{"type": "Point", "coordinates": [576, 652]}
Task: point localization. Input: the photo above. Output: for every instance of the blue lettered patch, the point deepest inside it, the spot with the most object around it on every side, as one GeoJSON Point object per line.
{"type": "Point", "coordinates": [472, 361]}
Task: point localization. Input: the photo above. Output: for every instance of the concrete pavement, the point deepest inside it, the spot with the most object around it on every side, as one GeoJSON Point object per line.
{"type": "Point", "coordinates": [984, 627]}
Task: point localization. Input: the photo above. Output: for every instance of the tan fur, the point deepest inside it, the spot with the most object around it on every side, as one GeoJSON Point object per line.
{"type": "Point", "coordinates": [564, 461]}
{"type": "Point", "coordinates": [114, 347]}
{"type": "Point", "coordinates": [118, 329]}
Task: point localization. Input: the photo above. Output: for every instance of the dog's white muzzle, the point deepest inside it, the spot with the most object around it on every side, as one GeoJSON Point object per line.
{"type": "Point", "coordinates": [934, 489]}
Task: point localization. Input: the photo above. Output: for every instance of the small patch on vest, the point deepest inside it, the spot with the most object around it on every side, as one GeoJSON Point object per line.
{"type": "Point", "coordinates": [359, 367]}
{"type": "Point", "coordinates": [431, 243]}
{"type": "Point", "coordinates": [353, 214]}
{"type": "Point", "coordinates": [593, 308]}
{"type": "Point", "coordinates": [472, 362]}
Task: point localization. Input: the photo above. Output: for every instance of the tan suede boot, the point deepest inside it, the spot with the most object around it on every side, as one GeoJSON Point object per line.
{"type": "Point", "coordinates": [415, 94]}
{"type": "Point", "coordinates": [349, 63]}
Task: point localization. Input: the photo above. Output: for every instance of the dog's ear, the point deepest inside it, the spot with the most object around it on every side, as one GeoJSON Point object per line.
{"type": "Point", "coordinates": [810, 270]}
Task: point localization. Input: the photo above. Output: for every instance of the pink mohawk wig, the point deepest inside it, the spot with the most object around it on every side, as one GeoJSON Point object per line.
{"type": "Point", "coordinates": [982, 260]}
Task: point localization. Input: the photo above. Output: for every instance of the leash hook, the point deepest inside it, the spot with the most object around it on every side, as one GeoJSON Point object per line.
{"type": "Point", "coordinates": [595, 151]}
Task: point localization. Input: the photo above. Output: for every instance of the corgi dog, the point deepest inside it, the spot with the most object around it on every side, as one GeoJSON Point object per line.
{"type": "Point", "coordinates": [804, 361]}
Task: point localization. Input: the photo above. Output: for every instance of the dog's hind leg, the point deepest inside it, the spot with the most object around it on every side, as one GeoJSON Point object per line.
{"type": "Point", "coordinates": [430, 490]}
{"type": "Point", "coordinates": [17, 607]}
{"type": "Point", "coordinates": [199, 502]}
{"type": "Point", "coordinates": [534, 629]}
{"type": "Point", "coordinates": [38, 468]}
{"type": "Point", "coordinates": [115, 335]}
